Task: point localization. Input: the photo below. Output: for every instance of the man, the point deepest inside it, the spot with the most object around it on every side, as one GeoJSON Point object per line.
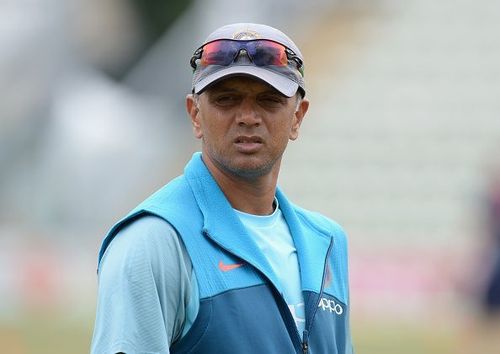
{"type": "Point", "coordinates": [219, 260]}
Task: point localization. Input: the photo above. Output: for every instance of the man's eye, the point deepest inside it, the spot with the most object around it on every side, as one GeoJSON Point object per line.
{"type": "Point", "coordinates": [226, 100]}
{"type": "Point", "coordinates": [271, 101]}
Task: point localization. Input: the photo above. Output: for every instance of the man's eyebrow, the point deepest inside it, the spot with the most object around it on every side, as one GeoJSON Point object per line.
{"type": "Point", "coordinates": [225, 89]}
{"type": "Point", "coordinates": [272, 92]}
{"type": "Point", "coordinates": [222, 89]}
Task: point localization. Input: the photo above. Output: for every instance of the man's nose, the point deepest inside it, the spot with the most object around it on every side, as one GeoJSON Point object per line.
{"type": "Point", "coordinates": [248, 114]}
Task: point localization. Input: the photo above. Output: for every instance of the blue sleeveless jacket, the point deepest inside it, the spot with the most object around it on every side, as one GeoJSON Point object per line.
{"type": "Point", "coordinates": [241, 307]}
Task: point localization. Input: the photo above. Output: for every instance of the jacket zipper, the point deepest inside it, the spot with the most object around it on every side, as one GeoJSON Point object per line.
{"type": "Point", "coordinates": [305, 342]}
{"type": "Point", "coordinates": [305, 337]}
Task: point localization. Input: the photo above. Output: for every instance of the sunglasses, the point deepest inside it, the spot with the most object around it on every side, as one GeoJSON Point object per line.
{"type": "Point", "coordinates": [262, 52]}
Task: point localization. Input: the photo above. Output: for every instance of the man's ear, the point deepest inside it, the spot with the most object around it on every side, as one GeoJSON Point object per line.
{"type": "Point", "coordinates": [299, 115]}
{"type": "Point", "coordinates": [194, 114]}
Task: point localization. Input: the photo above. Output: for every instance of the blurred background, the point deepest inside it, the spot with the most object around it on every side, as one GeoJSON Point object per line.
{"type": "Point", "coordinates": [401, 146]}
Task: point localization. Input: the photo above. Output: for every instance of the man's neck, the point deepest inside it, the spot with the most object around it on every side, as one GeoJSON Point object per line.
{"type": "Point", "coordinates": [250, 195]}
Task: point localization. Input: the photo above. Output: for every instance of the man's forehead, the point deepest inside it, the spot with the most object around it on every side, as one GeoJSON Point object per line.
{"type": "Point", "coordinates": [242, 83]}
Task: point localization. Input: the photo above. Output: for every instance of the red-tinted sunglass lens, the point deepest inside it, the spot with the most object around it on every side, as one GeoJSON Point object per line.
{"type": "Point", "coordinates": [265, 53]}
{"type": "Point", "coordinates": [262, 52]}
{"type": "Point", "coordinates": [220, 52]}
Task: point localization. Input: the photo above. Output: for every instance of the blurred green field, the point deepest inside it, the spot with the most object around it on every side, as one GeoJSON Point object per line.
{"type": "Point", "coordinates": [46, 333]}
{"type": "Point", "coordinates": [53, 335]}
{"type": "Point", "coordinates": [402, 338]}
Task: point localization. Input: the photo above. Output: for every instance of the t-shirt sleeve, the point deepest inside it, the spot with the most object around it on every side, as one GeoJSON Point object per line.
{"type": "Point", "coordinates": [143, 290]}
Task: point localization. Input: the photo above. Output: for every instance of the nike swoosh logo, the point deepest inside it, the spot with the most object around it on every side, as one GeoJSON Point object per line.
{"type": "Point", "coordinates": [228, 267]}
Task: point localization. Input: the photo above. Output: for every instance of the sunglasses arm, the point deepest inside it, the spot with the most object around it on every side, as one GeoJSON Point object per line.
{"type": "Point", "coordinates": [195, 57]}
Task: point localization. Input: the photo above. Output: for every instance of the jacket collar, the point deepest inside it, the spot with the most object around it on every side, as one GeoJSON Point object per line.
{"type": "Point", "coordinates": [222, 225]}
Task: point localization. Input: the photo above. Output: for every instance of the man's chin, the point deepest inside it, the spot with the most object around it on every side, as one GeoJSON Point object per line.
{"type": "Point", "coordinates": [251, 168]}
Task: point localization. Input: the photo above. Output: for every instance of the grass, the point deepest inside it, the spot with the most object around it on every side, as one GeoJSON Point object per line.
{"type": "Point", "coordinates": [46, 333]}
{"type": "Point", "coordinates": [56, 333]}
{"type": "Point", "coordinates": [402, 338]}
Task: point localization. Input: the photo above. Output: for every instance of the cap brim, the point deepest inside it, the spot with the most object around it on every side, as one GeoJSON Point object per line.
{"type": "Point", "coordinates": [281, 83]}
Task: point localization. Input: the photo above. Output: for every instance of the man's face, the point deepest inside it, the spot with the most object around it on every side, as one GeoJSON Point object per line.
{"type": "Point", "coordinates": [245, 125]}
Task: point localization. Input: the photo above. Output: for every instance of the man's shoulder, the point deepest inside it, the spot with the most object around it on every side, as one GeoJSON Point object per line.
{"type": "Point", "coordinates": [147, 226]}
{"type": "Point", "coordinates": [147, 236]}
{"type": "Point", "coordinates": [147, 233]}
{"type": "Point", "coordinates": [168, 205]}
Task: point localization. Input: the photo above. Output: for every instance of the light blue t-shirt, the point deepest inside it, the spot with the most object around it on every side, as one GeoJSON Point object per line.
{"type": "Point", "coordinates": [148, 296]}
{"type": "Point", "coordinates": [273, 237]}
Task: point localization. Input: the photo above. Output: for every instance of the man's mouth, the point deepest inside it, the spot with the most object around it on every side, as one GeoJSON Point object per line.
{"type": "Point", "coordinates": [243, 139]}
{"type": "Point", "coordinates": [248, 144]}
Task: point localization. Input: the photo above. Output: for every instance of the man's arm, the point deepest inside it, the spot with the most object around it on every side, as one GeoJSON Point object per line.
{"type": "Point", "coordinates": [144, 289]}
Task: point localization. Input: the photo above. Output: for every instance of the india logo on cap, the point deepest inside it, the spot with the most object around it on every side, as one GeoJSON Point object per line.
{"type": "Point", "coordinates": [246, 35]}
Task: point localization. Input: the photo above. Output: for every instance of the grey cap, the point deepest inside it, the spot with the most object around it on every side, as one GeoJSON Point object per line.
{"type": "Point", "coordinates": [286, 79]}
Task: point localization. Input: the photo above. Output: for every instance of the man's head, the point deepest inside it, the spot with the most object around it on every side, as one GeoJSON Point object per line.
{"type": "Point", "coordinates": [248, 49]}
{"type": "Point", "coordinates": [248, 99]}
